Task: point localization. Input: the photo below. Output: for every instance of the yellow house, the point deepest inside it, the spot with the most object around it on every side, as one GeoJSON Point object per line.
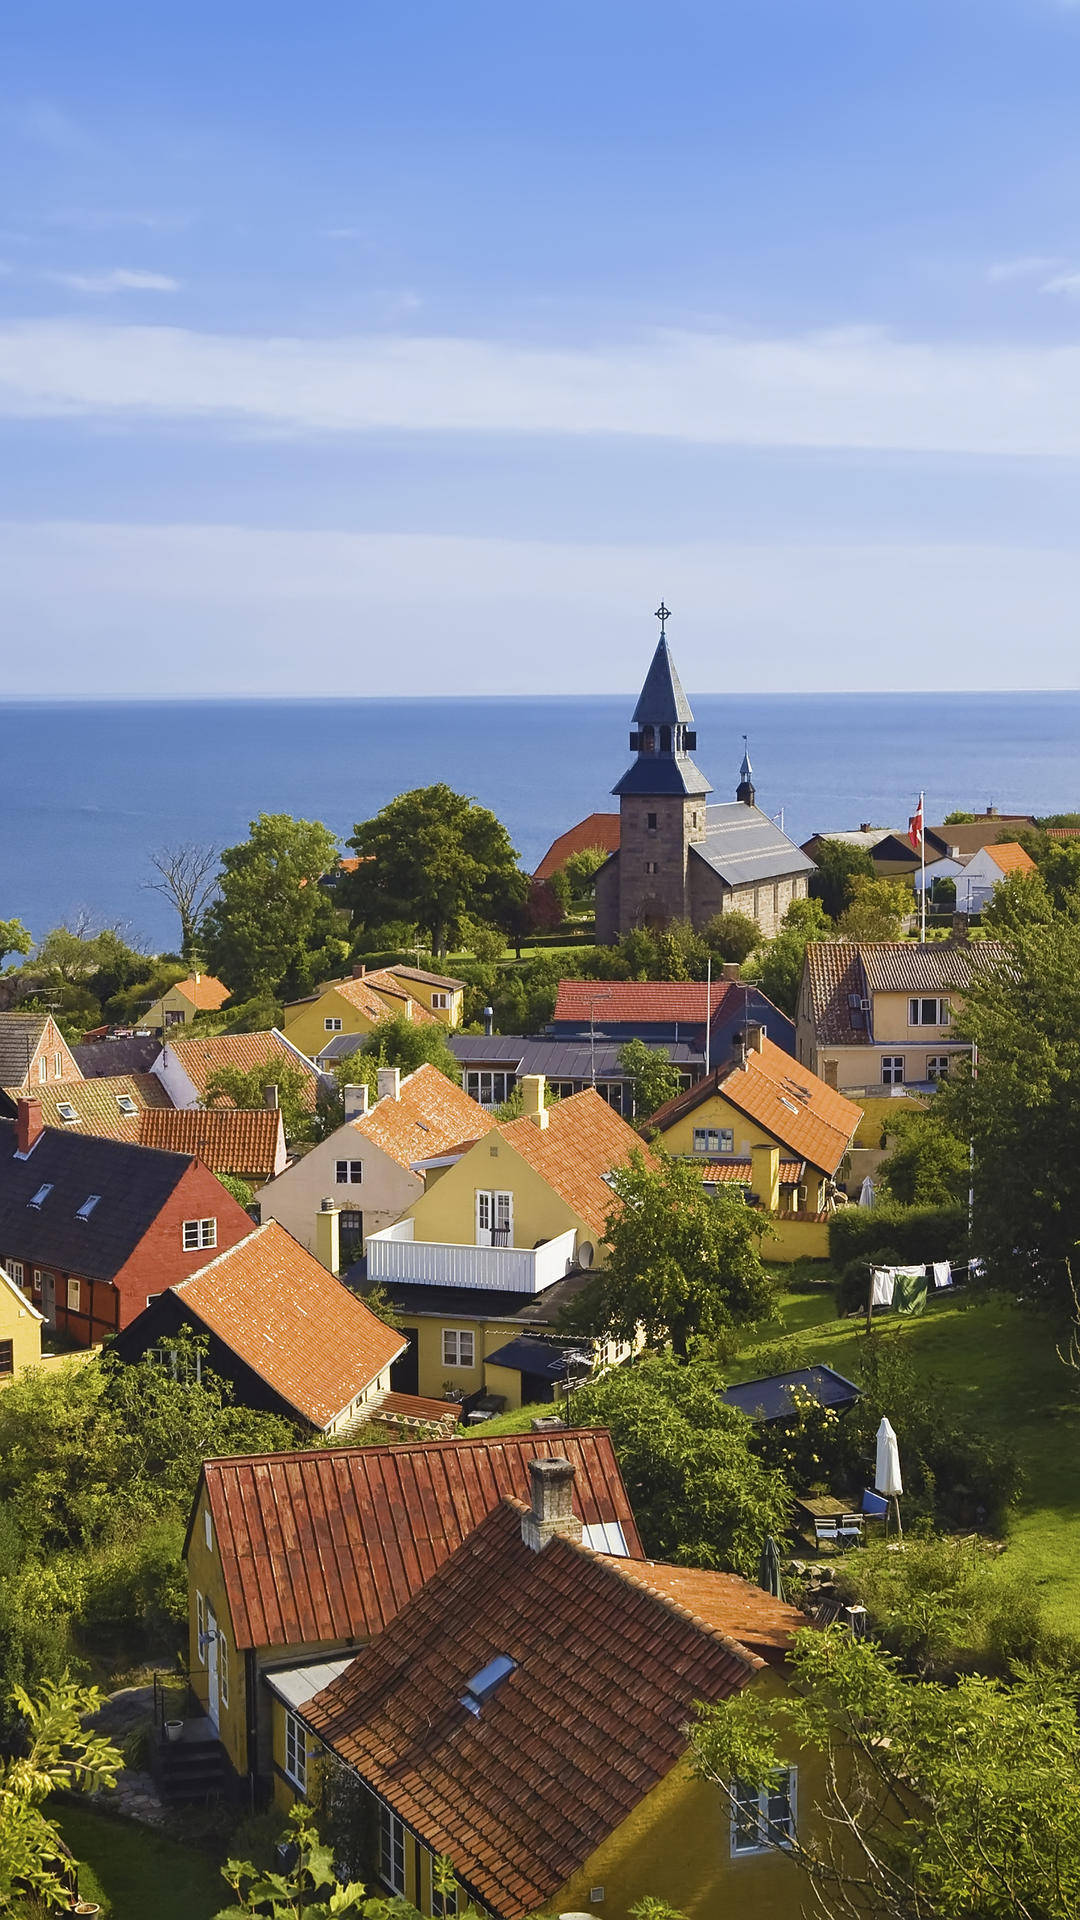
{"type": "Point", "coordinates": [526, 1716]}
{"type": "Point", "coordinates": [265, 1598]}
{"type": "Point", "coordinates": [876, 1017]}
{"type": "Point", "coordinates": [506, 1228]}
{"type": "Point", "coordinates": [358, 1005]}
{"type": "Point", "coordinates": [199, 993]}
{"type": "Point", "coordinates": [20, 1330]}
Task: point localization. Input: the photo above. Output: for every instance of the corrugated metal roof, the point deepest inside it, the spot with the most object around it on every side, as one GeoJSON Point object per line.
{"type": "Point", "coordinates": [571, 1058]}
{"type": "Point", "coordinates": [330, 1544]}
{"type": "Point", "coordinates": [297, 1685]}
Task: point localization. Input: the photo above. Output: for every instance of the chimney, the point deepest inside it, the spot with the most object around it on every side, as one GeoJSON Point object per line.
{"type": "Point", "coordinates": [489, 1020]}
{"type": "Point", "coordinates": [865, 827]}
{"type": "Point", "coordinates": [755, 1037]}
{"type": "Point", "coordinates": [551, 1491]}
{"type": "Point", "coordinates": [359, 970]}
{"type": "Point", "coordinates": [960, 929]}
{"type": "Point", "coordinates": [270, 1097]}
{"type": "Point", "coordinates": [328, 1236]}
{"type": "Point", "coordinates": [738, 1049]}
{"type": "Point", "coordinates": [729, 970]}
{"type": "Point", "coordinates": [532, 1096]}
{"type": "Point", "coordinates": [389, 1081]}
{"type": "Point", "coordinates": [29, 1126]}
{"type": "Point", "coordinates": [356, 1099]}
{"type": "Point", "coordinates": [766, 1176]}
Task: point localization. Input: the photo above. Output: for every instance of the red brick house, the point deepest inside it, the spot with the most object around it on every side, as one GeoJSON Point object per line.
{"type": "Point", "coordinates": [92, 1228]}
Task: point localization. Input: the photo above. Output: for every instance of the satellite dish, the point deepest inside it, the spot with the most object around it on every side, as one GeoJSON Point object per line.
{"type": "Point", "coordinates": [586, 1254]}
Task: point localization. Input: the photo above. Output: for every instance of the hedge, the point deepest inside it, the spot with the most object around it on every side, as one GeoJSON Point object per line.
{"type": "Point", "coordinates": [912, 1235]}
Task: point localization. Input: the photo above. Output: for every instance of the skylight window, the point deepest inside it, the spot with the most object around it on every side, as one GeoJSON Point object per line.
{"type": "Point", "coordinates": [66, 1111]}
{"type": "Point", "coordinates": [789, 1104]}
{"type": "Point", "coordinates": [125, 1103]}
{"type": "Point", "coordinates": [88, 1205]}
{"type": "Point", "coordinates": [483, 1684]}
{"type": "Point", "coordinates": [39, 1198]}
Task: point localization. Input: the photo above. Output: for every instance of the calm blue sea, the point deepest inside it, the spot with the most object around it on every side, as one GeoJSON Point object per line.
{"type": "Point", "coordinates": [90, 790]}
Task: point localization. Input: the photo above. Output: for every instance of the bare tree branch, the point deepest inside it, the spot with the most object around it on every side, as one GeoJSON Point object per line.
{"type": "Point", "coordinates": [187, 876]}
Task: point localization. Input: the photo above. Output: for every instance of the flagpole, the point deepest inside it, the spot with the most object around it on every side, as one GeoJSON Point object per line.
{"type": "Point", "coordinates": [922, 863]}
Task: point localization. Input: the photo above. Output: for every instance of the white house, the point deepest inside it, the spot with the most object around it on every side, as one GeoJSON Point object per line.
{"type": "Point", "coordinates": [985, 870]}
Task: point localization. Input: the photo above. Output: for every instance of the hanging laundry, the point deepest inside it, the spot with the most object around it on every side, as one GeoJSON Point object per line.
{"type": "Point", "coordinates": [881, 1291]}
{"type": "Point", "coordinates": [909, 1294]}
{"type": "Point", "coordinates": [942, 1273]}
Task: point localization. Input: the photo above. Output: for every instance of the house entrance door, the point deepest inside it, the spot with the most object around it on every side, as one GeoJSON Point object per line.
{"type": "Point", "coordinates": [211, 1667]}
{"type": "Point", "coordinates": [48, 1298]}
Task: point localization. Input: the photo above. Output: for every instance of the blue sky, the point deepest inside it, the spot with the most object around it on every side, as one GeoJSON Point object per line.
{"type": "Point", "coordinates": [423, 348]}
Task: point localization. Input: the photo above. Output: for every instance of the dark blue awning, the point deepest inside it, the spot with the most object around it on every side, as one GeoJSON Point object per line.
{"type": "Point", "coordinates": [774, 1398]}
{"type": "Point", "coordinates": [541, 1357]}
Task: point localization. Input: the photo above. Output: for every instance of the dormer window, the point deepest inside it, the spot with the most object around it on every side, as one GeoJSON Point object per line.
{"type": "Point", "coordinates": [88, 1205]}
{"type": "Point", "coordinates": [39, 1198]}
{"type": "Point", "coordinates": [483, 1684]}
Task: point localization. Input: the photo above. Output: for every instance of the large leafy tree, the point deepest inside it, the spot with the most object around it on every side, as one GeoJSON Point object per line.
{"type": "Point", "coordinates": [777, 967]}
{"type": "Point", "coordinates": [434, 857]}
{"type": "Point", "coordinates": [273, 929]}
{"type": "Point", "coordinates": [653, 1079]}
{"type": "Point", "coordinates": [838, 865]}
{"type": "Point", "coordinates": [702, 1495]}
{"type": "Point", "coordinates": [246, 1087]}
{"type": "Point", "coordinates": [14, 938]}
{"type": "Point", "coordinates": [58, 1755]}
{"type": "Point", "coordinates": [938, 1802]}
{"type": "Point", "coordinates": [679, 1264]}
{"type": "Point", "coordinates": [878, 909]}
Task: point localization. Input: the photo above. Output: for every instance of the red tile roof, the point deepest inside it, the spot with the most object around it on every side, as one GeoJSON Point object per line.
{"type": "Point", "coordinates": [431, 1116]}
{"type": "Point", "coordinates": [201, 1055]}
{"type": "Point", "coordinates": [1063, 833]}
{"type": "Point", "coordinates": [641, 1002]}
{"type": "Point", "coordinates": [841, 973]}
{"type": "Point", "coordinates": [583, 1140]}
{"type": "Point", "coordinates": [599, 830]}
{"type": "Point", "coordinates": [740, 1172]}
{"type": "Point", "coordinates": [287, 1318]}
{"type": "Point", "coordinates": [610, 1659]}
{"type": "Point", "coordinates": [205, 993]}
{"type": "Point", "coordinates": [413, 1406]}
{"type": "Point", "coordinates": [786, 1099]}
{"type": "Point", "coordinates": [241, 1140]}
{"type": "Point", "coordinates": [370, 993]}
{"type": "Point", "coordinates": [329, 1545]}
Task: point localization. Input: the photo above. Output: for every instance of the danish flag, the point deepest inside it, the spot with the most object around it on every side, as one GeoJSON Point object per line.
{"type": "Point", "coordinates": [915, 827]}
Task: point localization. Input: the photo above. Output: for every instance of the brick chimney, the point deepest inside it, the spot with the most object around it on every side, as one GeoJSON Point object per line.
{"type": "Point", "coordinates": [389, 1083]}
{"type": "Point", "coordinates": [328, 1236]}
{"type": "Point", "coordinates": [551, 1512]}
{"type": "Point", "coordinates": [359, 970]}
{"type": "Point", "coordinates": [730, 970]}
{"type": "Point", "coordinates": [960, 929]}
{"type": "Point", "coordinates": [532, 1096]}
{"type": "Point", "coordinates": [29, 1126]}
{"type": "Point", "coordinates": [356, 1102]}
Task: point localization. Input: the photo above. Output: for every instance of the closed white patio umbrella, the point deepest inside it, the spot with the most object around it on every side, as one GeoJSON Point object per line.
{"type": "Point", "coordinates": [887, 1477]}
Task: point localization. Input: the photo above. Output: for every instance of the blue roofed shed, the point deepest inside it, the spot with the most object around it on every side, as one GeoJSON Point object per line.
{"type": "Point", "coordinates": [774, 1398]}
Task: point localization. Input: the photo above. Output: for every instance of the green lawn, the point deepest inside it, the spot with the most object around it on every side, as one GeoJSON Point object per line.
{"type": "Point", "coordinates": [136, 1874]}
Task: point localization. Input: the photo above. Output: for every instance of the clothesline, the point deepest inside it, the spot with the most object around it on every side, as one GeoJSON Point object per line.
{"type": "Point", "coordinates": [906, 1288]}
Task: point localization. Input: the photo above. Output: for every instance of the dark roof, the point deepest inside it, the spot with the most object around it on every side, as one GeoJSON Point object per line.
{"type": "Point", "coordinates": [551, 1359]}
{"type": "Point", "coordinates": [604, 1662]}
{"type": "Point", "coordinates": [774, 1397]}
{"type": "Point", "coordinates": [662, 774]}
{"type": "Point", "coordinates": [126, 1053]}
{"type": "Point", "coordinates": [743, 845]}
{"type": "Point", "coordinates": [133, 1182]}
{"type": "Point", "coordinates": [477, 1303]}
{"type": "Point", "coordinates": [330, 1544]}
{"type": "Point", "coordinates": [19, 1036]}
{"type": "Point", "coordinates": [569, 1058]}
{"type": "Point", "coordinates": [662, 701]}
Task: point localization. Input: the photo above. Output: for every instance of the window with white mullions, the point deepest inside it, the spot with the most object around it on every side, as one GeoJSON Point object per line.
{"type": "Point", "coordinates": [391, 1850]}
{"type": "Point", "coordinates": [296, 1752]}
{"type": "Point", "coordinates": [714, 1140]}
{"type": "Point", "coordinates": [348, 1172]}
{"type": "Point", "coordinates": [928, 1013]}
{"type": "Point", "coordinates": [494, 1219]}
{"type": "Point", "coordinates": [763, 1817]}
{"type": "Point", "coordinates": [937, 1066]}
{"type": "Point", "coordinates": [892, 1069]}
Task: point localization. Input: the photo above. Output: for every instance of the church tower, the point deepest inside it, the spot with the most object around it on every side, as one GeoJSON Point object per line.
{"type": "Point", "coordinates": [661, 800]}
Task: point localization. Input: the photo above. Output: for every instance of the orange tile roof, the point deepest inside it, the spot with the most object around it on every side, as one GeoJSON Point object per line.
{"type": "Point", "coordinates": [739, 1172]}
{"type": "Point", "coordinates": [1011, 857]}
{"type": "Point", "coordinates": [330, 1544]}
{"type": "Point", "coordinates": [599, 830]}
{"type": "Point", "coordinates": [370, 993]}
{"type": "Point", "coordinates": [240, 1140]}
{"type": "Point", "coordinates": [203, 1054]}
{"type": "Point", "coordinates": [97, 1103]}
{"type": "Point", "coordinates": [431, 1116]}
{"type": "Point", "coordinates": [413, 1406]}
{"type": "Point", "coordinates": [583, 1140]}
{"type": "Point", "coordinates": [280, 1311]}
{"type": "Point", "coordinates": [610, 1658]}
{"type": "Point", "coordinates": [643, 1002]}
{"type": "Point", "coordinates": [800, 1112]}
{"type": "Point", "coordinates": [205, 993]}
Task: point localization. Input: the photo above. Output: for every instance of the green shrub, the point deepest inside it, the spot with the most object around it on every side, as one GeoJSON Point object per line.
{"type": "Point", "coordinates": [853, 1286]}
{"type": "Point", "coordinates": [918, 1234]}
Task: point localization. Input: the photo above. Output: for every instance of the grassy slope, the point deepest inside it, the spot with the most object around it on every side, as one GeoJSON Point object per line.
{"type": "Point", "coordinates": [135, 1873]}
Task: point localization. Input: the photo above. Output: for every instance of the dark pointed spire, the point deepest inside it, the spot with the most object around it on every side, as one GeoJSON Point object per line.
{"type": "Point", "coordinates": [745, 789]}
{"type": "Point", "coordinates": [662, 700]}
{"type": "Point", "coordinates": [663, 736]}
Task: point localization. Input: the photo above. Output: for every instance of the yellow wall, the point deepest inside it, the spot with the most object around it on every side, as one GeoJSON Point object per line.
{"type": "Point", "coordinates": [890, 1017]}
{"type": "Point", "coordinates": [447, 1210]}
{"type": "Point", "coordinates": [425, 994]}
{"type": "Point", "coordinates": [678, 1140]}
{"type": "Point", "coordinates": [205, 1576]}
{"type": "Point", "coordinates": [305, 1022]}
{"type": "Point", "coordinates": [20, 1323]}
{"type": "Point", "coordinates": [790, 1238]}
{"type": "Point", "coordinates": [171, 1002]}
{"type": "Point", "coordinates": [488, 1336]}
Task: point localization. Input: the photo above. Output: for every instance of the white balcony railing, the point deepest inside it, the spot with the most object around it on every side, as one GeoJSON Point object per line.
{"type": "Point", "coordinates": [394, 1257]}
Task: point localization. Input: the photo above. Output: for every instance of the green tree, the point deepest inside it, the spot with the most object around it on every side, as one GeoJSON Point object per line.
{"type": "Point", "coordinates": [59, 1755]}
{"type": "Point", "coordinates": [680, 1264]}
{"type": "Point", "coordinates": [939, 1802]}
{"type": "Point", "coordinates": [433, 856]}
{"type": "Point", "coordinates": [542, 910]}
{"type": "Point", "coordinates": [653, 1079]}
{"type": "Point", "coordinates": [701, 1494]}
{"type": "Point", "coordinates": [246, 1087]}
{"type": "Point", "coordinates": [397, 1042]}
{"type": "Point", "coordinates": [777, 967]}
{"type": "Point", "coordinates": [878, 909]}
{"type": "Point", "coordinates": [486, 943]}
{"type": "Point", "coordinates": [310, 1889]}
{"type": "Point", "coordinates": [732, 936]}
{"type": "Point", "coordinates": [928, 1165]}
{"type": "Point", "coordinates": [1019, 900]}
{"type": "Point", "coordinates": [959, 819]}
{"type": "Point", "coordinates": [838, 864]}
{"type": "Point", "coordinates": [273, 929]}
{"type": "Point", "coordinates": [581, 870]}
{"type": "Point", "coordinates": [14, 938]}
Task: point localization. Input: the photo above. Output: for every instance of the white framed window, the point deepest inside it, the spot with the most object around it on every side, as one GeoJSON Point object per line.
{"type": "Point", "coordinates": [489, 1089]}
{"type": "Point", "coordinates": [440, 1001]}
{"type": "Point", "coordinates": [208, 1530]}
{"type": "Point", "coordinates": [332, 1024]}
{"type": "Point", "coordinates": [714, 1140]}
{"type": "Point", "coordinates": [58, 1066]}
{"type": "Point", "coordinates": [74, 1296]}
{"type": "Point", "coordinates": [88, 1205]}
{"type": "Point", "coordinates": [296, 1752]}
{"type": "Point", "coordinates": [198, 1234]}
{"type": "Point", "coordinates": [391, 1850]}
{"type": "Point", "coordinates": [43, 1067]}
{"type": "Point", "coordinates": [17, 1272]}
{"type": "Point", "coordinates": [892, 1069]}
{"type": "Point", "coordinates": [937, 1066]}
{"type": "Point", "coordinates": [458, 1347]}
{"type": "Point", "coordinates": [765, 1816]}
{"type": "Point", "coordinates": [38, 1278]}
{"type": "Point", "coordinates": [494, 1218]}
{"type": "Point", "coordinates": [223, 1667]}
{"type": "Point", "coordinates": [126, 1104]}
{"type": "Point", "coordinates": [349, 1173]}
{"type": "Point", "coordinates": [928, 1013]}
{"type": "Point", "coordinates": [200, 1628]}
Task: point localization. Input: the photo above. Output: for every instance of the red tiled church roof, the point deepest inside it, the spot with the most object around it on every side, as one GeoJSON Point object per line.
{"type": "Point", "coordinates": [599, 830]}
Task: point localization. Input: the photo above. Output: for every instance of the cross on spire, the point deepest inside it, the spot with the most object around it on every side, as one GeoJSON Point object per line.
{"type": "Point", "coordinates": [663, 614]}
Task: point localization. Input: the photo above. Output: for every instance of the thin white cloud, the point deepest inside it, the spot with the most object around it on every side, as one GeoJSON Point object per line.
{"type": "Point", "coordinates": [45, 124]}
{"type": "Point", "coordinates": [232, 607]}
{"type": "Point", "coordinates": [109, 219]}
{"type": "Point", "coordinates": [1067, 283]}
{"type": "Point", "coordinates": [1026, 266]}
{"type": "Point", "coordinates": [116, 280]}
{"type": "Point", "coordinates": [845, 389]}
